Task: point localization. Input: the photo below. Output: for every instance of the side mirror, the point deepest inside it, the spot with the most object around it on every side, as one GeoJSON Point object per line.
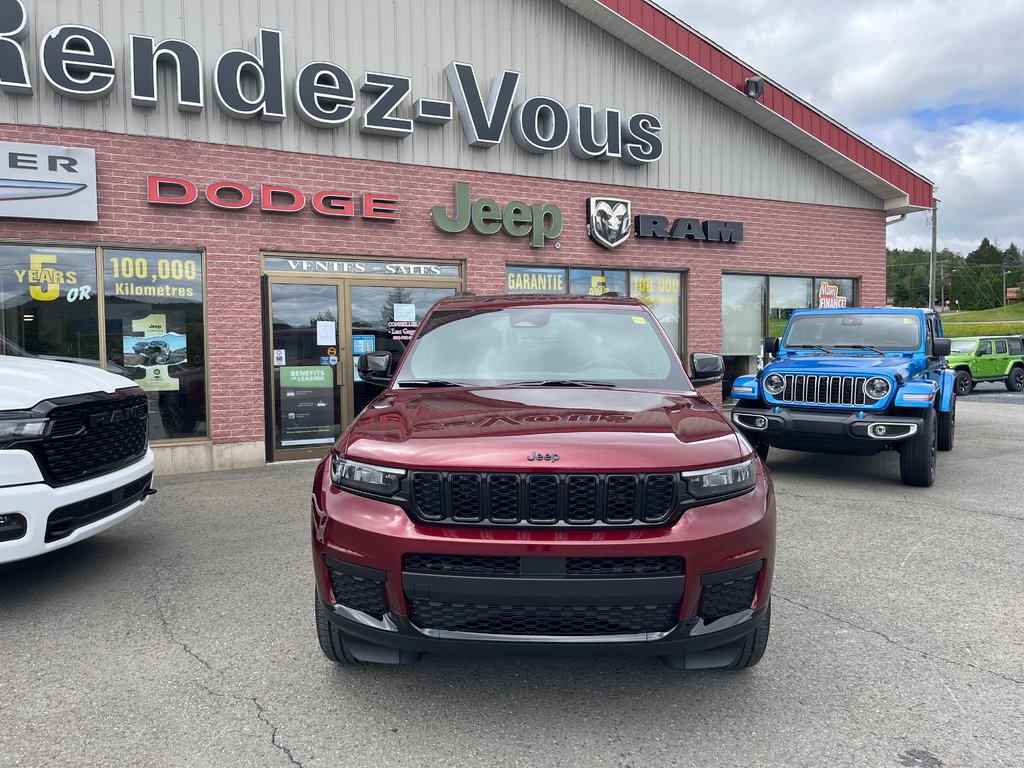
{"type": "Point", "coordinates": [376, 368]}
{"type": "Point", "coordinates": [707, 369]}
{"type": "Point", "coordinates": [942, 347]}
{"type": "Point", "coordinates": [771, 345]}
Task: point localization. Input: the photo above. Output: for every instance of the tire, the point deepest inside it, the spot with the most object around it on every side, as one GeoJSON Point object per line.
{"type": "Point", "coordinates": [917, 455]}
{"type": "Point", "coordinates": [963, 383]}
{"type": "Point", "coordinates": [1015, 381]}
{"type": "Point", "coordinates": [332, 643]}
{"type": "Point", "coordinates": [947, 427]}
{"type": "Point", "coordinates": [762, 451]}
{"type": "Point", "coordinates": [755, 643]}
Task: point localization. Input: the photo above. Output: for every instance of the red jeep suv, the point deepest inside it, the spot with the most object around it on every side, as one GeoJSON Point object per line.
{"type": "Point", "coordinates": [540, 476]}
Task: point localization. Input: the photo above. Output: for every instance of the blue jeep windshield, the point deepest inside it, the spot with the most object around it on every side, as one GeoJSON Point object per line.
{"type": "Point", "coordinates": [497, 347]}
{"type": "Point", "coordinates": [895, 332]}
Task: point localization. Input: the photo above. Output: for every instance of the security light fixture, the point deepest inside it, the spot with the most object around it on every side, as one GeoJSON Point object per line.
{"type": "Point", "coordinates": [754, 86]}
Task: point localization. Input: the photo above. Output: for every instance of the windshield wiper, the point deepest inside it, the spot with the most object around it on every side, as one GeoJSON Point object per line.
{"type": "Point", "coordinates": [559, 383]}
{"type": "Point", "coordinates": [826, 350]}
{"type": "Point", "coordinates": [429, 383]}
{"type": "Point", "coordinates": [858, 346]}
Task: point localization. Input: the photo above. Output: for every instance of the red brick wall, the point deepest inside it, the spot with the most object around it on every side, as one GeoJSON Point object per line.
{"type": "Point", "coordinates": [785, 238]}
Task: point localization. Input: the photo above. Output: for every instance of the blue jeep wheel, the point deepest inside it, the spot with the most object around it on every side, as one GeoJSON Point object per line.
{"type": "Point", "coordinates": [947, 427]}
{"type": "Point", "coordinates": [917, 454]}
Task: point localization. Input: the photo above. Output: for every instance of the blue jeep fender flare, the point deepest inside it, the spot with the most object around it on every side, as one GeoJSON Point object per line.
{"type": "Point", "coordinates": [946, 394]}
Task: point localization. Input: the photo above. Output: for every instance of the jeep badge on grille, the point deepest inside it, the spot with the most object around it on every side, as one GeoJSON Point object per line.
{"type": "Point", "coordinates": [542, 457]}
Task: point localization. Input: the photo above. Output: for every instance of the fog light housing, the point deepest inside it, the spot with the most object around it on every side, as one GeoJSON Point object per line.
{"type": "Point", "coordinates": [760, 422]}
{"type": "Point", "coordinates": [878, 430]}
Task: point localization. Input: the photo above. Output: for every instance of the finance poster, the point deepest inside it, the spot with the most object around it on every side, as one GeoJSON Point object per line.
{"type": "Point", "coordinates": [307, 405]}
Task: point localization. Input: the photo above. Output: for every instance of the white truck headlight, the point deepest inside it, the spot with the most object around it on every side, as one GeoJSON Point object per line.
{"type": "Point", "coordinates": [721, 481]}
{"type": "Point", "coordinates": [14, 426]}
{"type": "Point", "coordinates": [369, 478]}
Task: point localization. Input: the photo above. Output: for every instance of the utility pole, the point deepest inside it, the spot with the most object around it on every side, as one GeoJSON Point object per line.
{"type": "Point", "coordinates": [931, 262]}
{"type": "Point", "coordinates": [942, 286]}
{"type": "Point", "coordinates": [1005, 273]}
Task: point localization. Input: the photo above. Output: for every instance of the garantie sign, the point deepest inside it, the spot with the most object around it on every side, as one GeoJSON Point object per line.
{"type": "Point", "coordinates": [78, 62]}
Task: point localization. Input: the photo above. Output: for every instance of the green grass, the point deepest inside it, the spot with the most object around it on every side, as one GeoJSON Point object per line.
{"type": "Point", "coordinates": [1001, 321]}
{"type": "Point", "coordinates": [1009, 312]}
{"type": "Point", "coordinates": [956, 330]}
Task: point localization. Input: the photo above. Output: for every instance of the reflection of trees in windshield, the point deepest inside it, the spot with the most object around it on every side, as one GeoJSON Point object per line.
{"type": "Point", "coordinates": [895, 332]}
{"type": "Point", "coordinates": [539, 343]}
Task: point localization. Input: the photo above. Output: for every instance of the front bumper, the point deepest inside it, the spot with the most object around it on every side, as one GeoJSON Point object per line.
{"type": "Point", "coordinates": [720, 545]}
{"type": "Point", "coordinates": [78, 510]}
{"type": "Point", "coordinates": [853, 431]}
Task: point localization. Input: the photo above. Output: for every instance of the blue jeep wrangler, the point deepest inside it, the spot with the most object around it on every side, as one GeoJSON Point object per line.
{"type": "Point", "coordinates": [854, 381]}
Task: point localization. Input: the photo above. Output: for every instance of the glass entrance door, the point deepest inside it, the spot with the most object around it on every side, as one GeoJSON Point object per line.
{"type": "Point", "coordinates": [383, 318]}
{"type": "Point", "coordinates": [306, 390]}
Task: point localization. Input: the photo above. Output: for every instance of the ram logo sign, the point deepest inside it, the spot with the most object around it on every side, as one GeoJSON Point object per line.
{"type": "Point", "coordinates": [608, 221]}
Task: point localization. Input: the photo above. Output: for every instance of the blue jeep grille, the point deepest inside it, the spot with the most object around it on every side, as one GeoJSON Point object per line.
{"type": "Point", "coordinates": [808, 389]}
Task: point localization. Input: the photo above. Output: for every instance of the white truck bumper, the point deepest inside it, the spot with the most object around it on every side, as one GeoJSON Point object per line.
{"type": "Point", "coordinates": [35, 501]}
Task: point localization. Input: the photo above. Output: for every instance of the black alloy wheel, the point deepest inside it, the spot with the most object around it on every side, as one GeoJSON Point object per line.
{"type": "Point", "coordinates": [963, 384]}
{"type": "Point", "coordinates": [1015, 381]}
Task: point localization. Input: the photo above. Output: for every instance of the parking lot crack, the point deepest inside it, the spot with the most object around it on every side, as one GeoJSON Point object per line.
{"type": "Point", "coordinates": [167, 629]}
{"type": "Point", "coordinates": [896, 643]}
{"type": "Point", "coordinates": [165, 623]}
{"type": "Point", "coordinates": [261, 713]}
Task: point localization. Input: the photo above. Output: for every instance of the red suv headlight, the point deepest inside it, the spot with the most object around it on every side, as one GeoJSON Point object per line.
{"type": "Point", "coordinates": [368, 478]}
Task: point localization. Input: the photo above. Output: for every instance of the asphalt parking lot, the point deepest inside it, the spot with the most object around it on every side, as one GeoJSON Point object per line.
{"type": "Point", "coordinates": [184, 637]}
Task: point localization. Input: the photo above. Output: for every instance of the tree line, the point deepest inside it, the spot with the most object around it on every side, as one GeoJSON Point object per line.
{"type": "Point", "coordinates": [974, 281]}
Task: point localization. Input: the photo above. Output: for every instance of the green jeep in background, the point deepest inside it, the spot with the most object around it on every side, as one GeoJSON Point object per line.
{"type": "Point", "coordinates": [987, 358]}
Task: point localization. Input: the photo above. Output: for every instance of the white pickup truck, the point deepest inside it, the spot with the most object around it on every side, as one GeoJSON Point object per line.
{"type": "Point", "coordinates": [74, 454]}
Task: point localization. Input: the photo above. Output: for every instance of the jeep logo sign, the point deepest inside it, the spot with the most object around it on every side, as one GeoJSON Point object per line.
{"type": "Point", "coordinates": [486, 216]}
{"type": "Point", "coordinates": [38, 181]}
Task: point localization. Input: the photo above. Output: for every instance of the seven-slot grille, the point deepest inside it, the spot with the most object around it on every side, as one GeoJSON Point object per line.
{"type": "Point", "coordinates": [824, 390]}
{"type": "Point", "coordinates": [541, 499]}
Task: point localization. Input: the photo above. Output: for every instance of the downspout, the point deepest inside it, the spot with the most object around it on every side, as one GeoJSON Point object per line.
{"type": "Point", "coordinates": [890, 222]}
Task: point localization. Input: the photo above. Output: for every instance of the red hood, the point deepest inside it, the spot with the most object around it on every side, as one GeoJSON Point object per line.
{"type": "Point", "coordinates": [591, 430]}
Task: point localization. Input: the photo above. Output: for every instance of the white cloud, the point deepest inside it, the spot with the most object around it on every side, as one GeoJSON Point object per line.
{"type": "Point", "coordinates": [935, 84]}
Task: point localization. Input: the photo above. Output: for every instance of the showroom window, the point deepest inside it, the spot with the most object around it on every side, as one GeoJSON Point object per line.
{"type": "Point", "coordinates": [144, 309]}
{"type": "Point", "coordinates": [756, 306]}
{"type": "Point", "coordinates": [661, 291]}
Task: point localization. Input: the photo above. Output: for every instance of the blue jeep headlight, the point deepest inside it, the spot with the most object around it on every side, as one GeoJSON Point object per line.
{"type": "Point", "coordinates": [774, 384]}
{"type": "Point", "coordinates": [876, 388]}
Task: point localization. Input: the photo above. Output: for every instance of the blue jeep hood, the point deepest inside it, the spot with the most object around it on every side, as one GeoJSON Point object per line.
{"type": "Point", "coordinates": [842, 363]}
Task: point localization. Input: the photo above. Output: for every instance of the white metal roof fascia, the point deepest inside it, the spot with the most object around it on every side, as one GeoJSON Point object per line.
{"type": "Point", "coordinates": [894, 199]}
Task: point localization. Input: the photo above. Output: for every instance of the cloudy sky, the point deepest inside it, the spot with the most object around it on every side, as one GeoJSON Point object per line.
{"type": "Point", "coordinates": [937, 84]}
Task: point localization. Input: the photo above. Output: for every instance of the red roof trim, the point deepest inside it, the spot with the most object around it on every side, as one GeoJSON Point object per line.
{"type": "Point", "coordinates": [662, 26]}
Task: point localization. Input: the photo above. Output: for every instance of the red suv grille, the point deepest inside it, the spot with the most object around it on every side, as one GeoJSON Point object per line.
{"type": "Point", "coordinates": [533, 499]}
{"type": "Point", "coordinates": [543, 620]}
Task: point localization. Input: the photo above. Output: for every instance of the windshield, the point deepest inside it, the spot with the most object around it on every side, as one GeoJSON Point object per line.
{"type": "Point", "coordinates": [609, 346]}
{"type": "Point", "coordinates": [962, 347]}
{"type": "Point", "coordinates": [896, 332]}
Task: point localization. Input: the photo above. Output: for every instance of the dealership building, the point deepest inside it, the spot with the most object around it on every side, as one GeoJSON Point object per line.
{"type": "Point", "coordinates": [229, 201]}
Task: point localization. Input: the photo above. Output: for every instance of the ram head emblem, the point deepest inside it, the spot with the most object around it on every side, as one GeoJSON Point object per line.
{"type": "Point", "coordinates": [609, 221]}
